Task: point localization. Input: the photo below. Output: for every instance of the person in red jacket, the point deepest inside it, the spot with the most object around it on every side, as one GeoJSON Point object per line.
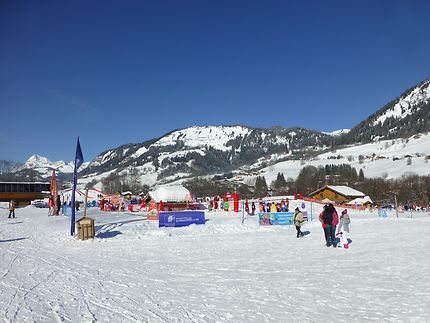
{"type": "Point", "coordinates": [329, 220]}
{"type": "Point", "coordinates": [143, 205]}
{"type": "Point", "coordinates": [50, 205]}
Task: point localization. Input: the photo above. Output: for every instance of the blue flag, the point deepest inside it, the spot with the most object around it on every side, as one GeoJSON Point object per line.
{"type": "Point", "coordinates": [79, 159]}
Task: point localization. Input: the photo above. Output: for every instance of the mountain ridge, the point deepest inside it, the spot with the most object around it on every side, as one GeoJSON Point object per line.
{"type": "Point", "coordinates": [205, 150]}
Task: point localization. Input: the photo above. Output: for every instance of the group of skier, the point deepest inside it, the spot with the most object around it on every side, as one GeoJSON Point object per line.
{"type": "Point", "coordinates": [329, 220]}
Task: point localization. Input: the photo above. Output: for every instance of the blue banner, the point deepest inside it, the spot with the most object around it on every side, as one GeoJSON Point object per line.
{"type": "Point", "coordinates": [275, 218]}
{"type": "Point", "coordinates": [181, 219]}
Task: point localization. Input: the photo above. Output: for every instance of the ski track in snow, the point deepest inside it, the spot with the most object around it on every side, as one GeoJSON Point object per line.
{"type": "Point", "coordinates": [219, 272]}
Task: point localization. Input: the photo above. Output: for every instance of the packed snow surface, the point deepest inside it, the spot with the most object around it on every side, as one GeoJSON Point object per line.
{"type": "Point", "coordinates": [223, 271]}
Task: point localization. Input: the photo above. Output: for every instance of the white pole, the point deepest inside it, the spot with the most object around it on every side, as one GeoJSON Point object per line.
{"type": "Point", "coordinates": [312, 217]}
{"type": "Point", "coordinates": [395, 203]}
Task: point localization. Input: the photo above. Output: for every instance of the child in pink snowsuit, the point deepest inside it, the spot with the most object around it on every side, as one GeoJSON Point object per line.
{"type": "Point", "coordinates": [343, 228]}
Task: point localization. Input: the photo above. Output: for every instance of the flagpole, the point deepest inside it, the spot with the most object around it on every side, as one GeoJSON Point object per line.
{"type": "Point", "coordinates": [79, 159]}
{"type": "Point", "coordinates": [72, 222]}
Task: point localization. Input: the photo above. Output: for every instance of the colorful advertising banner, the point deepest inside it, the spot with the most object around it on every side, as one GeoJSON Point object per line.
{"type": "Point", "coordinates": [275, 218]}
{"type": "Point", "coordinates": [181, 219]}
{"type": "Point", "coordinates": [54, 191]}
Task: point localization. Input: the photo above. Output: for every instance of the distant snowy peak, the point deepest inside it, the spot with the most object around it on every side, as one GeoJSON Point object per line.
{"type": "Point", "coordinates": [37, 160]}
{"type": "Point", "coordinates": [337, 132]}
{"type": "Point", "coordinates": [45, 167]}
{"type": "Point", "coordinates": [408, 104]}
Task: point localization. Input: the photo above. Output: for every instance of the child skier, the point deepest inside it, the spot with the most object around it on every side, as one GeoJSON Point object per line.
{"type": "Point", "coordinates": [298, 221]}
{"type": "Point", "coordinates": [253, 208]}
{"type": "Point", "coordinates": [343, 228]}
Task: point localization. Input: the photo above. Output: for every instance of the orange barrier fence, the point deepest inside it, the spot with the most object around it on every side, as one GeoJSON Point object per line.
{"type": "Point", "coordinates": [346, 206]}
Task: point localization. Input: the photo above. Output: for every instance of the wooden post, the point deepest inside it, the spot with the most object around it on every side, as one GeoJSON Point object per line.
{"type": "Point", "coordinates": [85, 203]}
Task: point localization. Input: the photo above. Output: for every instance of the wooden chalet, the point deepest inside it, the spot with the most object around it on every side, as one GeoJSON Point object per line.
{"type": "Point", "coordinates": [338, 194]}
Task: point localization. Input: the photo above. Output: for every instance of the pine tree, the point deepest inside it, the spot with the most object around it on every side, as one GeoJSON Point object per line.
{"type": "Point", "coordinates": [361, 175]}
{"type": "Point", "coordinates": [260, 187]}
{"type": "Point", "coordinates": [279, 186]}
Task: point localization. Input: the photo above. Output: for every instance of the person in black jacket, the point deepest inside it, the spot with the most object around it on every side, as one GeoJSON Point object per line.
{"type": "Point", "coordinates": [329, 220]}
{"type": "Point", "coordinates": [58, 205]}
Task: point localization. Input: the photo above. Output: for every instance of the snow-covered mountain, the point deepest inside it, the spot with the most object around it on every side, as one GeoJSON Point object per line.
{"type": "Point", "coordinates": [6, 166]}
{"type": "Point", "coordinates": [388, 159]}
{"type": "Point", "coordinates": [403, 117]}
{"type": "Point", "coordinates": [44, 167]}
{"type": "Point", "coordinates": [338, 132]}
{"type": "Point", "coordinates": [400, 128]}
{"type": "Point", "coordinates": [407, 104]}
{"type": "Point", "coordinates": [198, 151]}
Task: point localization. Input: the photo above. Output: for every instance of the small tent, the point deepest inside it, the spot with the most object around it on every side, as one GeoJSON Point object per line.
{"type": "Point", "coordinates": [169, 194]}
{"type": "Point", "coordinates": [361, 201]}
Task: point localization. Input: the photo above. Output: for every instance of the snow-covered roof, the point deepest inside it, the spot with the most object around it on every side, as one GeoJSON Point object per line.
{"type": "Point", "coordinates": [327, 200]}
{"type": "Point", "coordinates": [170, 193]}
{"type": "Point", "coordinates": [360, 201]}
{"type": "Point", "coordinates": [342, 190]}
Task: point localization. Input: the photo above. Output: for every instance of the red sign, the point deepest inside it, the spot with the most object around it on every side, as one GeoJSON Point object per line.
{"type": "Point", "coordinates": [152, 211]}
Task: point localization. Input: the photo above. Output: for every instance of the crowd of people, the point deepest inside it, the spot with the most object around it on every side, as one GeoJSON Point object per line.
{"type": "Point", "coordinates": [123, 204]}
{"type": "Point", "coordinates": [330, 220]}
{"type": "Point", "coordinates": [282, 206]}
{"type": "Point", "coordinates": [58, 203]}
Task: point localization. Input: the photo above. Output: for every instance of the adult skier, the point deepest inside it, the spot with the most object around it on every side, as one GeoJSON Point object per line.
{"type": "Point", "coordinates": [298, 221]}
{"type": "Point", "coordinates": [329, 220]}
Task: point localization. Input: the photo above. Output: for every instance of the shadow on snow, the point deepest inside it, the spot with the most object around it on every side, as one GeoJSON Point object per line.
{"type": "Point", "coordinates": [12, 240]}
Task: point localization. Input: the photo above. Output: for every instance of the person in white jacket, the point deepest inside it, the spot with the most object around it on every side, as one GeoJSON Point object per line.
{"type": "Point", "coordinates": [343, 228]}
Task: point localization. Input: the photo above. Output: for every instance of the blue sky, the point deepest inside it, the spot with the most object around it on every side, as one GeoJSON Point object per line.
{"type": "Point", "coordinates": [115, 72]}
